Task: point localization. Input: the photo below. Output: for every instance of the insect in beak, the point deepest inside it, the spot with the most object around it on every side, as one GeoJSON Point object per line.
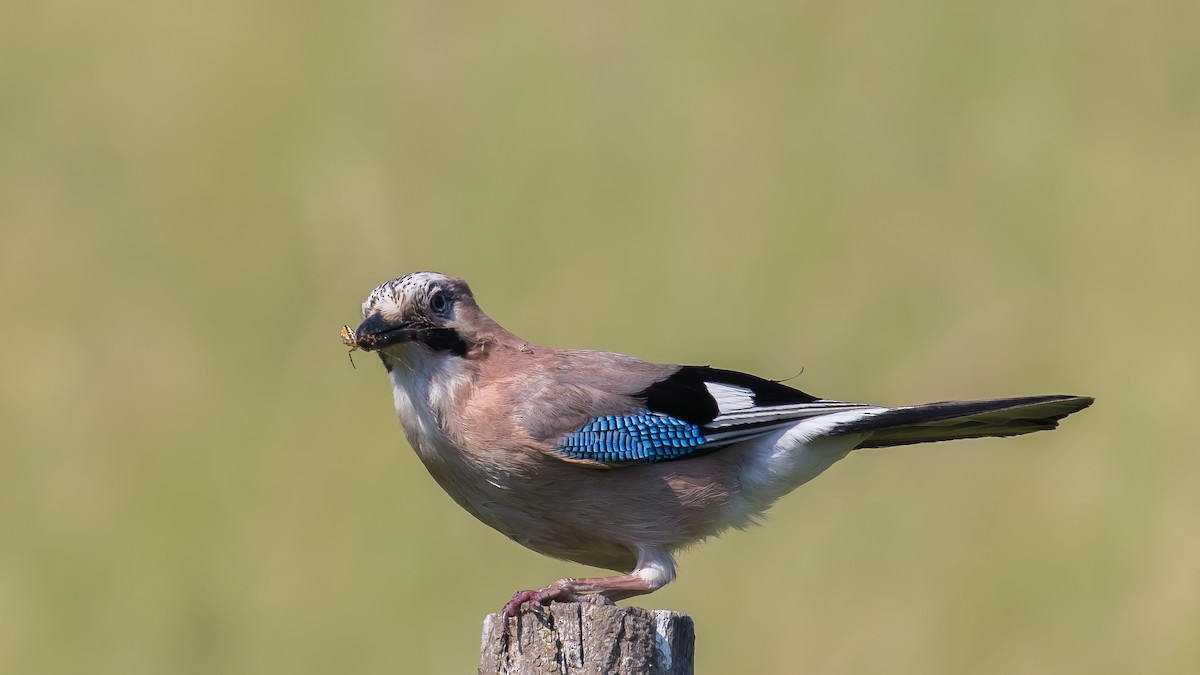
{"type": "Point", "coordinates": [349, 341]}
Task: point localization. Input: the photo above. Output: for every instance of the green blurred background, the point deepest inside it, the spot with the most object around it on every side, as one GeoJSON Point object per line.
{"type": "Point", "coordinates": [910, 201]}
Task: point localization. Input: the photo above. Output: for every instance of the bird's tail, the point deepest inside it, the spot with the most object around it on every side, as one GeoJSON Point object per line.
{"type": "Point", "coordinates": [949, 420]}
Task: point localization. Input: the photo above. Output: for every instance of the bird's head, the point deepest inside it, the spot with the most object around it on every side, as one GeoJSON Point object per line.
{"type": "Point", "coordinates": [422, 311]}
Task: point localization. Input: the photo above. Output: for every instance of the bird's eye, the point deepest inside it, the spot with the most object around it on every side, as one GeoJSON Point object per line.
{"type": "Point", "coordinates": [438, 302]}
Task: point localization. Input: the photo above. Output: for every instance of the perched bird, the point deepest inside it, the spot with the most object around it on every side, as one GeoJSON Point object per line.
{"type": "Point", "coordinates": [614, 462]}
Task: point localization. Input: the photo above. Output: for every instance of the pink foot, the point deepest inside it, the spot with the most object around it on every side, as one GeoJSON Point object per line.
{"type": "Point", "coordinates": [561, 591]}
{"type": "Point", "coordinates": [519, 598]}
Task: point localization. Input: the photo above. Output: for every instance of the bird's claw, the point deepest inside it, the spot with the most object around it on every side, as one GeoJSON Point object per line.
{"type": "Point", "coordinates": [556, 592]}
{"type": "Point", "coordinates": [514, 606]}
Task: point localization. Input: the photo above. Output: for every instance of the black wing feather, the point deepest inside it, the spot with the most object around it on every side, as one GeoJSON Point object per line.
{"type": "Point", "coordinates": [949, 420]}
{"type": "Point", "coordinates": [684, 395]}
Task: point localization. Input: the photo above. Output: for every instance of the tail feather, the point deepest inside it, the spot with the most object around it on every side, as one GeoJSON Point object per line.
{"type": "Point", "coordinates": [949, 420]}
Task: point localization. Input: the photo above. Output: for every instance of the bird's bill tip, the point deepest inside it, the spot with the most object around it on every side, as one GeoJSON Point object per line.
{"type": "Point", "coordinates": [376, 333]}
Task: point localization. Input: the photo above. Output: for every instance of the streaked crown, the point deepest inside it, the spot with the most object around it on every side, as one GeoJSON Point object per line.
{"type": "Point", "coordinates": [412, 293]}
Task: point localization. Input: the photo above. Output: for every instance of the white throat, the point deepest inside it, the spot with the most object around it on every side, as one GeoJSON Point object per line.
{"type": "Point", "coordinates": [425, 385]}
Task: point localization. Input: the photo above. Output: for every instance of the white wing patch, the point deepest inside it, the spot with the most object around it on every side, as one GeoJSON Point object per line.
{"type": "Point", "coordinates": [738, 417]}
{"type": "Point", "coordinates": [792, 412]}
{"type": "Point", "coordinates": [730, 398]}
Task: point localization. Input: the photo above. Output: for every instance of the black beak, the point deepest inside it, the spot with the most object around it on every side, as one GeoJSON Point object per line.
{"type": "Point", "coordinates": [376, 333]}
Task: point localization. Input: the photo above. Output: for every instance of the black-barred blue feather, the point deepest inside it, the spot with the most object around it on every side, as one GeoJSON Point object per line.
{"type": "Point", "coordinates": [644, 438]}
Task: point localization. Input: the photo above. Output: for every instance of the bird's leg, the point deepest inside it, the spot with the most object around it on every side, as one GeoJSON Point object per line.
{"type": "Point", "coordinates": [596, 590]}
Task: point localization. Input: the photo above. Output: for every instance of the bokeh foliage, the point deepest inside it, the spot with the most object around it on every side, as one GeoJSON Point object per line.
{"type": "Point", "coordinates": [910, 201]}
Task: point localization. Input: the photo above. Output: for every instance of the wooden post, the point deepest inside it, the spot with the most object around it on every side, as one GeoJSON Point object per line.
{"type": "Point", "coordinates": [583, 639]}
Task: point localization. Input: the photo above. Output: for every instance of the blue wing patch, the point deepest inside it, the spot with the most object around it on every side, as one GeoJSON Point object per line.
{"type": "Point", "coordinates": [643, 438]}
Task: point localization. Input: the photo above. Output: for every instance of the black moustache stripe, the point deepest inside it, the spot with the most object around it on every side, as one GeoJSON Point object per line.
{"type": "Point", "coordinates": [441, 339]}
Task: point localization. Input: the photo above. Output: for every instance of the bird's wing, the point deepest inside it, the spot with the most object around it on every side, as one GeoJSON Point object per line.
{"type": "Point", "coordinates": [694, 410]}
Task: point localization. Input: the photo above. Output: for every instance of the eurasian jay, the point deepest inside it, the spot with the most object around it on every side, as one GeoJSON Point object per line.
{"type": "Point", "coordinates": [611, 461]}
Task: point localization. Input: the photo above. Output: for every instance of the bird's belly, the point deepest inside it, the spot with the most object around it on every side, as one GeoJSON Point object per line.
{"type": "Point", "coordinates": [536, 521]}
{"type": "Point", "coordinates": [594, 516]}
{"type": "Point", "coordinates": [561, 534]}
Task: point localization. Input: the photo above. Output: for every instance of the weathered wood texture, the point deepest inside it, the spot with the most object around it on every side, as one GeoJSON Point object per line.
{"type": "Point", "coordinates": [584, 639]}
